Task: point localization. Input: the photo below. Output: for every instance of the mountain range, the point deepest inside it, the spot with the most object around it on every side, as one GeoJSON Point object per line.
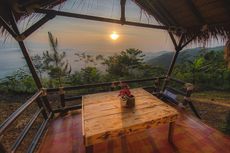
{"type": "Point", "coordinates": [164, 59]}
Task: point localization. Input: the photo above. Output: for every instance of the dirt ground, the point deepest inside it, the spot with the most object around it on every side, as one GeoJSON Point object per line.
{"type": "Point", "coordinates": [213, 107]}
{"type": "Point", "coordinates": [7, 107]}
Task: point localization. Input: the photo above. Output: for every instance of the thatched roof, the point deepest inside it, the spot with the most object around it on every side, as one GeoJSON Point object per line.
{"type": "Point", "coordinates": [205, 18]}
{"type": "Point", "coordinates": [213, 16]}
{"type": "Point", "coordinates": [227, 53]}
{"type": "Point", "coordinates": [18, 7]}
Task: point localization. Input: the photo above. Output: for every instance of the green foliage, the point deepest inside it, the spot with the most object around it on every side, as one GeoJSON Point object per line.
{"type": "Point", "coordinates": [88, 60]}
{"type": "Point", "coordinates": [20, 82]}
{"type": "Point", "coordinates": [125, 64]}
{"type": "Point", "coordinates": [207, 71]}
{"type": "Point", "coordinates": [55, 64]}
{"type": "Point", "coordinates": [86, 76]}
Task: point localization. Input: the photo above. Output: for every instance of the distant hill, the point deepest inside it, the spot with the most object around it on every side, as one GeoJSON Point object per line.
{"type": "Point", "coordinates": [152, 55]}
{"type": "Point", "coordinates": [164, 60]}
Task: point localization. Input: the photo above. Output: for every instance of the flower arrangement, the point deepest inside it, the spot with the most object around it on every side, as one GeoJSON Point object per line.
{"type": "Point", "coordinates": [125, 92]}
{"type": "Point", "coordinates": [126, 97]}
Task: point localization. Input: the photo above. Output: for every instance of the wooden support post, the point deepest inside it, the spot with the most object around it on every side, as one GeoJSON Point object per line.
{"type": "Point", "coordinates": [95, 18]}
{"type": "Point", "coordinates": [170, 132]}
{"type": "Point", "coordinates": [24, 51]}
{"type": "Point", "coordinates": [30, 64]}
{"type": "Point", "coordinates": [178, 48]}
{"type": "Point", "coordinates": [157, 87]}
{"type": "Point", "coordinates": [193, 109]}
{"type": "Point", "coordinates": [46, 101]}
{"type": "Point", "coordinates": [40, 105]}
{"type": "Point", "coordinates": [189, 88]}
{"type": "Point", "coordinates": [62, 97]}
{"type": "Point", "coordinates": [7, 27]}
{"type": "Point", "coordinates": [173, 39]}
{"type": "Point", "coordinates": [188, 41]}
{"type": "Point", "coordinates": [170, 71]}
{"type": "Point", "coordinates": [122, 3]}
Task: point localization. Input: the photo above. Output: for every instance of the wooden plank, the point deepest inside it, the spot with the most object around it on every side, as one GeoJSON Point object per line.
{"type": "Point", "coordinates": [105, 118]}
{"type": "Point", "coordinates": [115, 108]}
{"type": "Point", "coordinates": [118, 121]}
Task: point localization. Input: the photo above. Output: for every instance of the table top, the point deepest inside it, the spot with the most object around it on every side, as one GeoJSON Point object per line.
{"type": "Point", "coordinates": [104, 118]}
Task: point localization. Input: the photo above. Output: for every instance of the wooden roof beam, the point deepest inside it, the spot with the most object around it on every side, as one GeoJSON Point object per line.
{"type": "Point", "coordinates": [36, 26]}
{"type": "Point", "coordinates": [102, 19]}
{"type": "Point", "coordinates": [25, 51]}
{"type": "Point", "coordinates": [173, 39]}
{"type": "Point", "coordinates": [195, 11]}
{"type": "Point", "coordinates": [123, 2]}
{"type": "Point", "coordinates": [7, 27]}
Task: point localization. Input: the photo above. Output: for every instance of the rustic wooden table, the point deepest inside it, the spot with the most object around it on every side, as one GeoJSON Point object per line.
{"type": "Point", "coordinates": [103, 118]}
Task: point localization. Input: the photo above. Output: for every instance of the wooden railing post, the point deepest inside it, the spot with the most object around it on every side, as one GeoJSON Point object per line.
{"type": "Point", "coordinates": [157, 89]}
{"type": "Point", "coordinates": [187, 100]}
{"type": "Point", "coordinates": [41, 105]}
{"type": "Point", "coordinates": [62, 96]}
{"type": "Point", "coordinates": [45, 99]}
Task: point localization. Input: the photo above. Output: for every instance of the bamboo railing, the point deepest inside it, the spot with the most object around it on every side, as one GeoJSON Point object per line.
{"type": "Point", "coordinates": [14, 116]}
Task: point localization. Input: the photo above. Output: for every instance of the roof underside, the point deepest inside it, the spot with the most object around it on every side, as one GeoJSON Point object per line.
{"type": "Point", "coordinates": [204, 18]}
{"type": "Point", "coordinates": [213, 16]}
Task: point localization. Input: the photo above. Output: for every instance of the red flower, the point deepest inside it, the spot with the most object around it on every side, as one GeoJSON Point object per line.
{"type": "Point", "coordinates": [125, 92]}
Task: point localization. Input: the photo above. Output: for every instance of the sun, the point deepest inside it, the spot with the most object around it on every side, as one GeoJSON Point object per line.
{"type": "Point", "coordinates": [114, 36]}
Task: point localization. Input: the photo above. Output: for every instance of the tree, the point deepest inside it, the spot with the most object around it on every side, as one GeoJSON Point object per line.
{"type": "Point", "coordinates": [19, 81]}
{"type": "Point", "coordinates": [85, 76]}
{"type": "Point", "coordinates": [125, 64]}
{"type": "Point", "coordinates": [54, 62]}
{"type": "Point", "coordinates": [88, 60]}
{"type": "Point", "coordinates": [207, 71]}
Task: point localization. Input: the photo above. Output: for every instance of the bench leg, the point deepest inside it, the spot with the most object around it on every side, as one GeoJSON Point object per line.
{"type": "Point", "coordinates": [170, 132]}
{"type": "Point", "coordinates": [89, 149]}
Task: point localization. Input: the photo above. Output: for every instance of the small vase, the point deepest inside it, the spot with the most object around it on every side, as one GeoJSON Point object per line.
{"type": "Point", "coordinates": [123, 101]}
{"type": "Point", "coordinates": [130, 103]}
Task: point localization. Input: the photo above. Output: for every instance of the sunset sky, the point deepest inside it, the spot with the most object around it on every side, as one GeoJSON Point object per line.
{"type": "Point", "coordinates": [93, 36]}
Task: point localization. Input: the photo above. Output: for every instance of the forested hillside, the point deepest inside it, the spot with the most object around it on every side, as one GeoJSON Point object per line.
{"type": "Point", "coordinates": [165, 59]}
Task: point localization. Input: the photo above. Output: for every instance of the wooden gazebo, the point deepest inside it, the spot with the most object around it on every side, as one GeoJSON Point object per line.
{"type": "Point", "coordinates": [185, 20]}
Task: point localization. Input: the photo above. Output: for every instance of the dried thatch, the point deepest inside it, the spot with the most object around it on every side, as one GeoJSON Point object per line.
{"type": "Point", "coordinates": [201, 18]}
{"type": "Point", "coordinates": [227, 53]}
{"type": "Point", "coordinates": [21, 8]}
{"type": "Point", "coordinates": [204, 18]}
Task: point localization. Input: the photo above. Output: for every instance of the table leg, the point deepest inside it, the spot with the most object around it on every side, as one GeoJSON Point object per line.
{"type": "Point", "coordinates": [89, 149]}
{"type": "Point", "coordinates": [171, 131]}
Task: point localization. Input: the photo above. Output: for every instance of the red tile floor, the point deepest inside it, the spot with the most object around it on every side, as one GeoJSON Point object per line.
{"type": "Point", "coordinates": [190, 136]}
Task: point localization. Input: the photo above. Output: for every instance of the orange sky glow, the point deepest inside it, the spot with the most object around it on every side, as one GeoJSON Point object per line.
{"type": "Point", "coordinates": [84, 35]}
